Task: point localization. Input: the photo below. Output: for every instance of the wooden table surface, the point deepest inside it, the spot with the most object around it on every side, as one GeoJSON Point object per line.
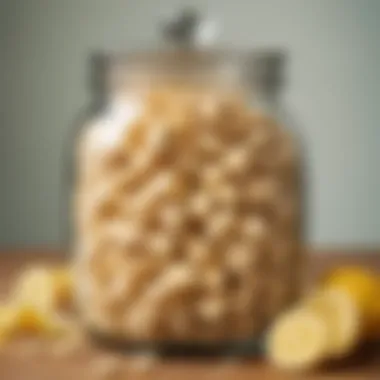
{"type": "Point", "coordinates": [21, 362]}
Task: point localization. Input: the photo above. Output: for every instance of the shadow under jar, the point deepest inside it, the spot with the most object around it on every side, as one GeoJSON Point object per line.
{"type": "Point", "coordinates": [187, 201]}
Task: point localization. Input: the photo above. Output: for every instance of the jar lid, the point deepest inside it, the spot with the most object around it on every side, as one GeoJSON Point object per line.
{"type": "Point", "coordinates": [188, 47]}
{"type": "Point", "coordinates": [187, 36]}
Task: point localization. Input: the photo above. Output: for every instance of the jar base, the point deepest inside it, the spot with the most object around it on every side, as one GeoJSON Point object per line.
{"type": "Point", "coordinates": [237, 348]}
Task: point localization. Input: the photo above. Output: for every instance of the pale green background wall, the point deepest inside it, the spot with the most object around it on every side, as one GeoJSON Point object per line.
{"type": "Point", "coordinates": [335, 94]}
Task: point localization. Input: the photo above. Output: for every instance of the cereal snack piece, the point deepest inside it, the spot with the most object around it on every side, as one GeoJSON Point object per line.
{"type": "Point", "coordinates": [212, 309]}
{"type": "Point", "coordinates": [255, 228]}
{"type": "Point", "coordinates": [35, 288]}
{"type": "Point", "coordinates": [200, 204]}
{"type": "Point", "coordinates": [162, 297]}
{"type": "Point", "coordinates": [240, 258]}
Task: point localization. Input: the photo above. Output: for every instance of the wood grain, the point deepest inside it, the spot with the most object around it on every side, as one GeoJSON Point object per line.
{"type": "Point", "coordinates": [21, 361]}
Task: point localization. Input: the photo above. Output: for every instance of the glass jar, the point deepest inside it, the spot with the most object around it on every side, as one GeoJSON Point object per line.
{"type": "Point", "coordinates": [187, 200]}
{"type": "Point", "coordinates": [96, 87]}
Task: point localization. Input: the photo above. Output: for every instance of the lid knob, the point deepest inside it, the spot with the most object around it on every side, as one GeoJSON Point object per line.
{"type": "Point", "coordinates": [186, 28]}
{"type": "Point", "coordinates": [180, 28]}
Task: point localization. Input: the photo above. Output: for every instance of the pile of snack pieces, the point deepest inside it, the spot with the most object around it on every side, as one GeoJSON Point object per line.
{"type": "Point", "coordinates": [39, 302]}
{"type": "Point", "coordinates": [342, 312]}
{"type": "Point", "coordinates": [38, 317]}
{"type": "Point", "coordinates": [188, 218]}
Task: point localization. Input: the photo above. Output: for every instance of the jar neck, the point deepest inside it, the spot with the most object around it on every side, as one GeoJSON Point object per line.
{"type": "Point", "coordinates": [258, 75]}
{"type": "Point", "coordinates": [133, 89]}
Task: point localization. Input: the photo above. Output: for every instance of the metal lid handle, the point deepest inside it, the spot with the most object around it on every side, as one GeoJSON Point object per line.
{"type": "Point", "coordinates": [186, 28]}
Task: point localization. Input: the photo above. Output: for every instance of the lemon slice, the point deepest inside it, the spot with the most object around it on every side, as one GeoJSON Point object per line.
{"type": "Point", "coordinates": [363, 286]}
{"type": "Point", "coordinates": [298, 340]}
{"type": "Point", "coordinates": [342, 317]}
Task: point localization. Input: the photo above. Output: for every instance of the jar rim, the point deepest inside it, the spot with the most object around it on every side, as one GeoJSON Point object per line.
{"type": "Point", "coordinates": [260, 67]}
{"type": "Point", "coordinates": [196, 56]}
